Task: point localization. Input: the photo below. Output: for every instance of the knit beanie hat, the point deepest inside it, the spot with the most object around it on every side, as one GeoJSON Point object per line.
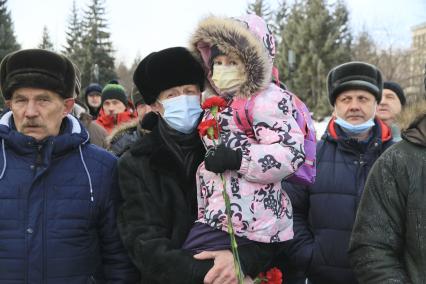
{"type": "Point", "coordinates": [354, 76]}
{"type": "Point", "coordinates": [396, 88]}
{"type": "Point", "coordinates": [37, 68]}
{"type": "Point", "coordinates": [93, 87]}
{"type": "Point", "coordinates": [114, 91]}
{"type": "Point", "coordinates": [166, 69]}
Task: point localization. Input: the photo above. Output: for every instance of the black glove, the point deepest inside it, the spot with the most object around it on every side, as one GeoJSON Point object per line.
{"type": "Point", "coordinates": [222, 158]}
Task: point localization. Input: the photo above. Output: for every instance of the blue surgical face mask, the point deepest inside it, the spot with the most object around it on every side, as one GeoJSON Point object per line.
{"type": "Point", "coordinates": [182, 112]}
{"type": "Point", "coordinates": [355, 129]}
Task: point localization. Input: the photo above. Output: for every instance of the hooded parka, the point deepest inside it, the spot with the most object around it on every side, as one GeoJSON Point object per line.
{"type": "Point", "coordinates": [261, 209]}
{"type": "Point", "coordinates": [58, 204]}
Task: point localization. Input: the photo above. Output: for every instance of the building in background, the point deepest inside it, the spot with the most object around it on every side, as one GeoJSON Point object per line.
{"type": "Point", "coordinates": [415, 90]}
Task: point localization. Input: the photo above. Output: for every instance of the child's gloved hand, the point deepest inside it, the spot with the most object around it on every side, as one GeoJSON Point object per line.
{"type": "Point", "coordinates": [222, 158]}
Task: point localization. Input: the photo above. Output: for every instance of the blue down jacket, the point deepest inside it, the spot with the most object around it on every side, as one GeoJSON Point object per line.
{"type": "Point", "coordinates": [58, 203]}
{"type": "Point", "coordinates": [324, 212]}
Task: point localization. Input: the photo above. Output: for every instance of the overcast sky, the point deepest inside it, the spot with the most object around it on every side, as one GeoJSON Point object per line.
{"type": "Point", "coordinates": [140, 27]}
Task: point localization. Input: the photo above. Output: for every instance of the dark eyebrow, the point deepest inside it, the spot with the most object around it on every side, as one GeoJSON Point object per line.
{"type": "Point", "coordinates": [191, 88]}
{"type": "Point", "coordinates": [42, 96]}
{"type": "Point", "coordinates": [18, 96]}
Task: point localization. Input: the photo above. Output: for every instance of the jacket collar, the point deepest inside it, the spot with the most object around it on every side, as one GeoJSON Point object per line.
{"type": "Point", "coordinates": [71, 136]}
{"type": "Point", "coordinates": [416, 133]}
{"type": "Point", "coordinates": [380, 131]}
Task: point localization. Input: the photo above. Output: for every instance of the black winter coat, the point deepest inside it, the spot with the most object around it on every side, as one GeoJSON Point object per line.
{"type": "Point", "coordinates": [389, 237]}
{"type": "Point", "coordinates": [324, 213]}
{"type": "Point", "coordinates": [160, 208]}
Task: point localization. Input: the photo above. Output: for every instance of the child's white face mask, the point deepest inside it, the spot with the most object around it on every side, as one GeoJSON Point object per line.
{"type": "Point", "coordinates": [226, 77]}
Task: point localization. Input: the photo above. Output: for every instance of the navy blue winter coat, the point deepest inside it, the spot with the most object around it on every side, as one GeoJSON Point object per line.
{"type": "Point", "coordinates": [58, 202]}
{"type": "Point", "coordinates": [324, 213]}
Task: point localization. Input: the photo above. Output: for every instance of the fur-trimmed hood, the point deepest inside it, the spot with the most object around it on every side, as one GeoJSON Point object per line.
{"type": "Point", "coordinates": [410, 113]}
{"type": "Point", "coordinates": [121, 130]}
{"type": "Point", "coordinates": [248, 37]}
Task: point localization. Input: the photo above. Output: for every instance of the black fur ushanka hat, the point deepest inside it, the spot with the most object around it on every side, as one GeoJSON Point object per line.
{"type": "Point", "coordinates": [354, 76]}
{"type": "Point", "coordinates": [166, 69]}
{"type": "Point", "coordinates": [37, 68]}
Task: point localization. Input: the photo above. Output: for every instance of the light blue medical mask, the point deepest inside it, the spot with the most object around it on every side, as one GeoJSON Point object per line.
{"type": "Point", "coordinates": [355, 129]}
{"type": "Point", "coordinates": [182, 112]}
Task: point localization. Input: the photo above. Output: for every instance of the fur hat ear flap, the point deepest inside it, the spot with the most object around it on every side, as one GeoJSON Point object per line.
{"type": "Point", "coordinates": [37, 68]}
{"type": "Point", "coordinates": [166, 69]}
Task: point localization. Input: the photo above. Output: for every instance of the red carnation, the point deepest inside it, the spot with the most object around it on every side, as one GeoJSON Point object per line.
{"type": "Point", "coordinates": [214, 103]}
{"type": "Point", "coordinates": [209, 128]}
{"type": "Point", "coordinates": [273, 276]}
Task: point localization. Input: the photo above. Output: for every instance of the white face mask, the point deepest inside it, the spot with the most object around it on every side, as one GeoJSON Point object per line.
{"type": "Point", "coordinates": [182, 112]}
{"type": "Point", "coordinates": [356, 128]}
{"type": "Point", "coordinates": [227, 77]}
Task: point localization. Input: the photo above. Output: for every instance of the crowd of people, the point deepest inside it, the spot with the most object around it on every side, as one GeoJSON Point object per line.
{"type": "Point", "coordinates": [109, 186]}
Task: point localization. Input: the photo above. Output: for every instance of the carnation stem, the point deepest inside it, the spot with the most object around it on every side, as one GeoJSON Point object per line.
{"type": "Point", "coordinates": [234, 245]}
{"type": "Point", "coordinates": [230, 227]}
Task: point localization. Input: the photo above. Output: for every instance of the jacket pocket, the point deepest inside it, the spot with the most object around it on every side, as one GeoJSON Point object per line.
{"type": "Point", "coordinates": [11, 208]}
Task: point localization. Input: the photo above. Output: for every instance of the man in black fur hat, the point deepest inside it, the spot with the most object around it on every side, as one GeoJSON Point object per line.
{"type": "Point", "coordinates": [58, 193]}
{"type": "Point", "coordinates": [157, 178]}
{"type": "Point", "coordinates": [325, 211]}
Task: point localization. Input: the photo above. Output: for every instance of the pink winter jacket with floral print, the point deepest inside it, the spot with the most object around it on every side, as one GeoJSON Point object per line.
{"type": "Point", "coordinates": [261, 209]}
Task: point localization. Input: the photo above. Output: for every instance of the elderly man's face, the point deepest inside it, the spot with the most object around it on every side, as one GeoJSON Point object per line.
{"type": "Point", "coordinates": [37, 112]}
{"type": "Point", "coordinates": [355, 106]}
{"type": "Point", "coordinates": [389, 107]}
{"type": "Point", "coordinates": [184, 90]}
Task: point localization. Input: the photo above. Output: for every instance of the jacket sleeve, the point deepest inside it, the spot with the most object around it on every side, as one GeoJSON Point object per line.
{"type": "Point", "coordinates": [147, 237]}
{"type": "Point", "coordinates": [378, 235]}
{"type": "Point", "coordinates": [280, 150]}
{"type": "Point", "coordinates": [117, 266]}
{"type": "Point", "coordinates": [298, 251]}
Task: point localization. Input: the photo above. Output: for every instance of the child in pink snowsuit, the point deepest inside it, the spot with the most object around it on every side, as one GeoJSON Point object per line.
{"type": "Point", "coordinates": [238, 57]}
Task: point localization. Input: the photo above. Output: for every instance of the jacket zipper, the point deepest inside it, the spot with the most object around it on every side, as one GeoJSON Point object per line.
{"type": "Point", "coordinates": [44, 237]}
{"type": "Point", "coordinates": [27, 203]}
{"type": "Point", "coordinates": [359, 188]}
{"type": "Point", "coordinates": [38, 164]}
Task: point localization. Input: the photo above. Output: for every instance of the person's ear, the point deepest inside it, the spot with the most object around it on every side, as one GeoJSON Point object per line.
{"type": "Point", "coordinates": [69, 104]}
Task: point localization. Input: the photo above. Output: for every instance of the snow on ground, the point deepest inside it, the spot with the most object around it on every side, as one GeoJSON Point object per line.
{"type": "Point", "coordinates": [320, 127]}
